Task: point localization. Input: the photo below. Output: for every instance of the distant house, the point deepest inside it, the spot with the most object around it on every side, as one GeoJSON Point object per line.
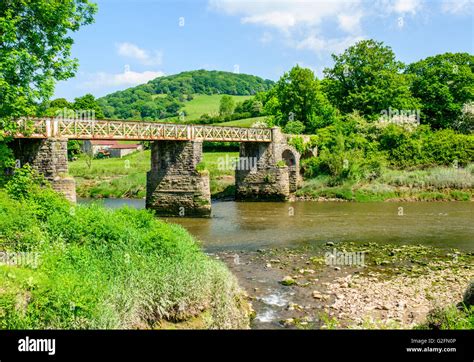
{"type": "Point", "coordinates": [123, 150]}
{"type": "Point", "coordinates": [116, 149]}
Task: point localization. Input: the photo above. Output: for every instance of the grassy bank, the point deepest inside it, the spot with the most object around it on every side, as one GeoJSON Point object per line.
{"type": "Point", "coordinates": [126, 177]}
{"type": "Point", "coordinates": [89, 267]}
{"type": "Point", "coordinates": [433, 184]}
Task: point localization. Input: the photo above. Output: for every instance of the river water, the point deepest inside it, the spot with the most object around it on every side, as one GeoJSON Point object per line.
{"type": "Point", "coordinates": [250, 225]}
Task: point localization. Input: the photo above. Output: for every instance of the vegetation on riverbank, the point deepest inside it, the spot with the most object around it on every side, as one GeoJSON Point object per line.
{"type": "Point", "coordinates": [432, 184]}
{"type": "Point", "coordinates": [88, 267]}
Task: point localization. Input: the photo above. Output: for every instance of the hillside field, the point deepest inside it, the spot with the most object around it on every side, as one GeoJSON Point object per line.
{"type": "Point", "coordinates": [202, 104]}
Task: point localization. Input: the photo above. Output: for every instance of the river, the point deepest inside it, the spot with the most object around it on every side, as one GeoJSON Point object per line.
{"type": "Point", "coordinates": [241, 233]}
{"type": "Point", "coordinates": [255, 225]}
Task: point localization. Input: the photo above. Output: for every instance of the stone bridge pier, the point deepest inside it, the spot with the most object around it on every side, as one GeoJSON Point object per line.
{"type": "Point", "coordinates": [267, 171]}
{"type": "Point", "coordinates": [49, 157]}
{"type": "Point", "coordinates": [174, 185]}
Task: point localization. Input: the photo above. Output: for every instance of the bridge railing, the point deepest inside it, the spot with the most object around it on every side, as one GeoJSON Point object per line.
{"type": "Point", "coordinates": [132, 130]}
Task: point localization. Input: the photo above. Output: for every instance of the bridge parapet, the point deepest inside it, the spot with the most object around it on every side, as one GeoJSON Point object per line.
{"type": "Point", "coordinates": [137, 130]}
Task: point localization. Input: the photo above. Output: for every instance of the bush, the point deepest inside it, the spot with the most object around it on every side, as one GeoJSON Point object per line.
{"type": "Point", "coordinates": [102, 268]}
{"type": "Point", "coordinates": [294, 127]}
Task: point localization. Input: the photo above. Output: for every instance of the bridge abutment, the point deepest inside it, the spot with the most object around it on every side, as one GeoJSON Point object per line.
{"type": "Point", "coordinates": [49, 157]}
{"type": "Point", "coordinates": [267, 171]}
{"type": "Point", "coordinates": [175, 187]}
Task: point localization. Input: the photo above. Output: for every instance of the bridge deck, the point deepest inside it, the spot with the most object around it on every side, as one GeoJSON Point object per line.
{"type": "Point", "coordinates": [136, 130]}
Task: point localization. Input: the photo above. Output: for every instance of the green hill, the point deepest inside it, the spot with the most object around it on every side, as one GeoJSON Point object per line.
{"type": "Point", "coordinates": [197, 92]}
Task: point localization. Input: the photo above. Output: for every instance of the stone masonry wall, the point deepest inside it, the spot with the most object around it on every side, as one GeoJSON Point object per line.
{"type": "Point", "coordinates": [263, 181]}
{"type": "Point", "coordinates": [269, 179]}
{"type": "Point", "coordinates": [48, 157]}
{"type": "Point", "coordinates": [174, 186]}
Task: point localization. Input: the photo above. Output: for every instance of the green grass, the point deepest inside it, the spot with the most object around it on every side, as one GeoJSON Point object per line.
{"type": "Point", "coordinates": [246, 122]}
{"type": "Point", "coordinates": [202, 104]}
{"type": "Point", "coordinates": [126, 177]}
{"type": "Point", "coordinates": [108, 269]}
{"type": "Point", "coordinates": [450, 318]}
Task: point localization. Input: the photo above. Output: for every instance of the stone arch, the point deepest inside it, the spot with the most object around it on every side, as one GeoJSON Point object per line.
{"type": "Point", "coordinates": [289, 157]}
{"type": "Point", "coordinates": [292, 159]}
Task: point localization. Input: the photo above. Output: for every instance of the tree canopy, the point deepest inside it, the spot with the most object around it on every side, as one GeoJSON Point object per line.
{"type": "Point", "coordinates": [368, 78]}
{"type": "Point", "coordinates": [35, 50]}
{"type": "Point", "coordinates": [444, 83]}
{"type": "Point", "coordinates": [298, 97]}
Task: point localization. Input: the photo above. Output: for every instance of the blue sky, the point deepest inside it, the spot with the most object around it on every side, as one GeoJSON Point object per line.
{"type": "Point", "coordinates": [132, 42]}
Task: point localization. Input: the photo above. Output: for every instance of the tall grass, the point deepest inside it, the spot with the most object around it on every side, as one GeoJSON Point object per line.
{"type": "Point", "coordinates": [107, 269]}
{"type": "Point", "coordinates": [438, 177]}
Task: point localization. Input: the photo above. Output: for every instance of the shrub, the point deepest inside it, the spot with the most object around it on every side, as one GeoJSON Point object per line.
{"type": "Point", "coordinates": [102, 268]}
{"type": "Point", "coordinates": [294, 127]}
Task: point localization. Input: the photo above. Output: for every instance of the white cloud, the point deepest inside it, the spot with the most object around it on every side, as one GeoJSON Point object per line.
{"type": "Point", "coordinates": [336, 45]}
{"type": "Point", "coordinates": [350, 22]}
{"type": "Point", "coordinates": [284, 14]}
{"type": "Point", "coordinates": [145, 57]}
{"type": "Point", "coordinates": [458, 7]}
{"type": "Point", "coordinates": [126, 78]}
{"type": "Point", "coordinates": [299, 21]}
{"type": "Point", "coordinates": [403, 6]}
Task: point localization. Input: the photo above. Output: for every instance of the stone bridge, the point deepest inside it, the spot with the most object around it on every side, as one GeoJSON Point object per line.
{"type": "Point", "coordinates": [267, 169]}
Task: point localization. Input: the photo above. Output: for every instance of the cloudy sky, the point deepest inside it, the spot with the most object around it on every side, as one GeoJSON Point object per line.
{"type": "Point", "coordinates": [133, 41]}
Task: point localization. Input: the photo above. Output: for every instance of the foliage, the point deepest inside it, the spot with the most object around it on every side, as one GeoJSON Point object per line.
{"type": "Point", "coordinates": [465, 122]}
{"type": "Point", "coordinates": [88, 103]}
{"type": "Point", "coordinates": [105, 269]}
{"type": "Point", "coordinates": [450, 318]}
{"type": "Point", "coordinates": [35, 49]}
{"type": "Point", "coordinates": [443, 83]}
{"type": "Point", "coordinates": [294, 127]}
{"type": "Point", "coordinates": [297, 96]}
{"type": "Point", "coordinates": [227, 106]}
{"type": "Point", "coordinates": [163, 97]}
{"type": "Point", "coordinates": [23, 180]}
{"type": "Point", "coordinates": [367, 78]}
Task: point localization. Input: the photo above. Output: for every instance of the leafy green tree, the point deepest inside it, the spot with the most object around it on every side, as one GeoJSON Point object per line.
{"type": "Point", "coordinates": [35, 49]}
{"type": "Point", "coordinates": [227, 105]}
{"type": "Point", "coordinates": [88, 103]}
{"type": "Point", "coordinates": [367, 78]}
{"type": "Point", "coordinates": [60, 103]}
{"type": "Point", "coordinates": [298, 97]}
{"type": "Point", "coordinates": [443, 83]}
{"type": "Point", "coordinates": [294, 127]}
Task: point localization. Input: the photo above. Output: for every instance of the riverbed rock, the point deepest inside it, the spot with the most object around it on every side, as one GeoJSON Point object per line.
{"type": "Point", "coordinates": [288, 322]}
{"type": "Point", "coordinates": [287, 281]}
{"type": "Point", "coordinates": [317, 295]}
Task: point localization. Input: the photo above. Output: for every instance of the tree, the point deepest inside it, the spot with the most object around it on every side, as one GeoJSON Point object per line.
{"type": "Point", "coordinates": [35, 49]}
{"type": "Point", "coordinates": [368, 78]}
{"type": "Point", "coordinates": [444, 83]}
{"type": "Point", "coordinates": [88, 105]}
{"type": "Point", "coordinates": [298, 97]}
{"type": "Point", "coordinates": [60, 103]}
{"type": "Point", "coordinates": [227, 106]}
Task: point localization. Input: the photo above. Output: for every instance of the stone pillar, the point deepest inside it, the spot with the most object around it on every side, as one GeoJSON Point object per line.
{"type": "Point", "coordinates": [48, 157]}
{"type": "Point", "coordinates": [174, 186]}
{"type": "Point", "coordinates": [275, 172]}
{"type": "Point", "coordinates": [257, 176]}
